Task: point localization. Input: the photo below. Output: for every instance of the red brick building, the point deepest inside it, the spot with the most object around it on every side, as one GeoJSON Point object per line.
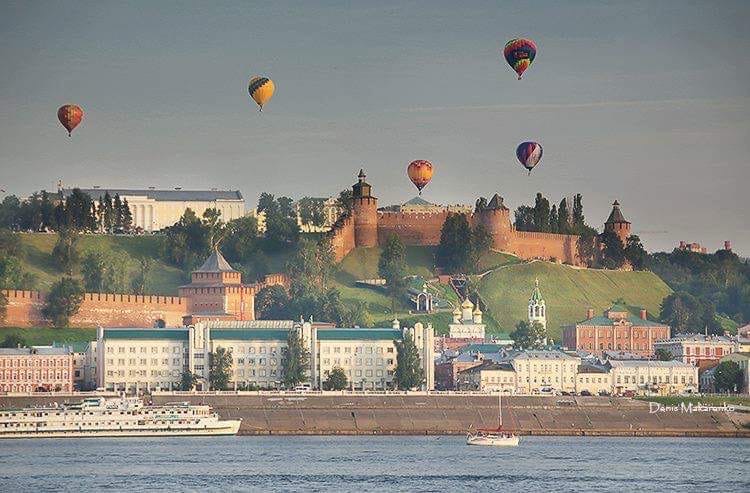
{"type": "Point", "coordinates": [617, 329]}
{"type": "Point", "coordinates": [38, 368]}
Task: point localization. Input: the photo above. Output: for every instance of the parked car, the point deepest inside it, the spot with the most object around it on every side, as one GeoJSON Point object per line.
{"type": "Point", "coordinates": [628, 393]}
{"type": "Point", "coordinates": [585, 393]}
{"type": "Point", "coordinates": [603, 393]}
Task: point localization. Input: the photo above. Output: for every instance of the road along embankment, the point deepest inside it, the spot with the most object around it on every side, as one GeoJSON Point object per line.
{"type": "Point", "coordinates": [314, 414]}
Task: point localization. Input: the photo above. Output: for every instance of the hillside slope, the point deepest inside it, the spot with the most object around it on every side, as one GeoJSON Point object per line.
{"type": "Point", "coordinates": [37, 248]}
{"type": "Point", "coordinates": [568, 292]}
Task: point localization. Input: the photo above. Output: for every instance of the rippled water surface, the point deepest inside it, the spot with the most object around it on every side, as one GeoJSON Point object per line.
{"type": "Point", "coordinates": [374, 463]}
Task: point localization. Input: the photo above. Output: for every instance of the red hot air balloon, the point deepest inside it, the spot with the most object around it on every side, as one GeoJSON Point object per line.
{"type": "Point", "coordinates": [529, 154]}
{"type": "Point", "coordinates": [70, 115]}
{"type": "Point", "coordinates": [420, 173]}
{"type": "Point", "coordinates": [519, 53]}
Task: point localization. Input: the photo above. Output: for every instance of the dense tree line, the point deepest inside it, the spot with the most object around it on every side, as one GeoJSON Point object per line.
{"type": "Point", "coordinates": [560, 218]}
{"type": "Point", "coordinates": [703, 284]}
{"type": "Point", "coordinates": [310, 295]}
{"type": "Point", "coordinates": [42, 212]}
{"type": "Point", "coordinates": [312, 210]}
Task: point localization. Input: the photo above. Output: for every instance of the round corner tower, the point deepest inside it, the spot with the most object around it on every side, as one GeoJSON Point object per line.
{"type": "Point", "coordinates": [495, 217]}
{"type": "Point", "coordinates": [365, 213]}
{"type": "Point", "coordinates": [617, 223]}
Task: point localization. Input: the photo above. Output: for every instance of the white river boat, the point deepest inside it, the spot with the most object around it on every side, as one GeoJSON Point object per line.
{"type": "Point", "coordinates": [119, 417]}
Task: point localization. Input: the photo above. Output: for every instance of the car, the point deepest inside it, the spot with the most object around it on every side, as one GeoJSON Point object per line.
{"type": "Point", "coordinates": [603, 393]}
{"type": "Point", "coordinates": [628, 393]}
{"type": "Point", "coordinates": [585, 393]}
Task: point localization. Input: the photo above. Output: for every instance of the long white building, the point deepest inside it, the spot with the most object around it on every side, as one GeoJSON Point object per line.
{"type": "Point", "coordinates": [155, 359]}
{"type": "Point", "coordinates": [154, 210]}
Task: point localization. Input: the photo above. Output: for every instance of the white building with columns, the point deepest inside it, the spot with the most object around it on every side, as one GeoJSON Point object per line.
{"type": "Point", "coordinates": [154, 210]}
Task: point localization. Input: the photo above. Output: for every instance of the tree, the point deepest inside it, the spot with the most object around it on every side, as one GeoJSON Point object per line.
{"type": "Point", "coordinates": [454, 251]}
{"type": "Point", "coordinates": [188, 380]}
{"type": "Point", "coordinates": [336, 379]}
{"type": "Point", "coordinates": [214, 226]}
{"type": "Point", "coordinates": [117, 212]}
{"type": "Point", "coordinates": [541, 213]}
{"type": "Point", "coordinates": [524, 218]}
{"type": "Point", "coordinates": [13, 341]}
{"type": "Point", "coordinates": [65, 252]}
{"type": "Point", "coordinates": [635, 253]}
{"type": "Point", "coordinates": [663, 355]}
{"type": "Point", "coordinates": [63, 301]}
{"type": "Point", "coordinates": [92, 268]}
{"type": "Point", "coordinates": [687, 313]}
{"type": "Point", "coordinates": [78, 207]}
{"type": "Point", "coordinates": [220, 368]}
{"type": "Point", "coordinates": [579, 220]}
{"type": "Point", "coordinates": [728, 376]}
{"type": "Point", "coordinates": [10, 212]}
{"type": "Point", "coordinates": [408, 374]}
{"type": "Point", "coordinates": [585, 246]}
{"type": "Point", "coordinates": [272, 303]}
{"type": "Point", "coordinates": [392, 268]}
{"type": "Point", "coordinates": [106, 213]}
{"type": "Point", "coordinates": [529, 336]}
{"type": "Point", "coordinates": [481, 242]}
{"type": "Point", "coordinates": [563, 217]}
{"type": "Point", "coordinates": [186, 243]}
{"type": "Point", "coordinates": [613, 251]}
{"type": "Point", "coordinates": [295, 359]}
{"type": "Point", "coordinates": [345, 201]}
{"type": "Point", "coordinates": [12, 275]}
{"type": "Point", "coordinates": [127, 217]}
{"type": "Point", "coordinates": [104, 272]}
{"type": "Point", "coordinates": [311, 211]}
{"type": "Point", "coordinates": [553, 220]}
{"type": "Point", "coordinates": [241, 239]}
{"type": "Point", "coordinates": [3, 306]}
{"type": "Point", "coordinates": [139, 283]}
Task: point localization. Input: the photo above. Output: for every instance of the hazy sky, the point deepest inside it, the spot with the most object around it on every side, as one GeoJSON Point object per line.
{"type": "Point", "coordinates": [644, 102]}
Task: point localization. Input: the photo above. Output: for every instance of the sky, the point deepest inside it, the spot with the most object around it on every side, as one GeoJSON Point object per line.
{"type": "Point", "coordinates": [640, 101]}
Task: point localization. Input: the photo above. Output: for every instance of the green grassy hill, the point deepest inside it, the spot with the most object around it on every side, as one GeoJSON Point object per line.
{"type": "Point", "coordinates": [567, 291]}
{"type": "Point", "coordinates": [37, 248]}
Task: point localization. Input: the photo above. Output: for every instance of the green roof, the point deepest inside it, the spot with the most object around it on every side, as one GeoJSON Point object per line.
{"type": "Point", "coordinates": [604, 321]}
{"type": "Point", "coordinates": [619, 308]}
{"type": "Point", "coordinates": [536, 295]}
{"type": "Point", "coordinates": [250, 334]}
{"type": "Point", "coordinates": [76, 347]}
{"type": "Point", "coordinates": [481, 348]}
{"type": "Point", "coordinates": [418, 201]}
{"type": "Point", "coordinates": [147, 334]}
{"type": "Point", "coordinates": [359, 334]}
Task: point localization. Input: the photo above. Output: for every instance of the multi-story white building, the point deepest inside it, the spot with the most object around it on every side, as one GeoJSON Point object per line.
{"type": "Point", "coordinates": [488, 377]}
{"type": "Point", "coordinates": [697, 349]}
{"type": "Point", "coordinates": [155, 359]}
{"type": "Point", "coordinates": [594, 379]}
{"type": "Point", "coordinates": [537, 369]}
{"type": "Point", "coordinates": [662, 377]}
{"type": "Point", "coordinates": [367, 356]}
{"type": "Point", "coordinates": [154, 210]}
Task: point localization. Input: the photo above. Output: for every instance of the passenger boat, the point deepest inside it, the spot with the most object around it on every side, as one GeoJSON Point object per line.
{"type": "Point", "coordinates": [493, 438]}
{"type": "Point", "coordinates": [118, 417]}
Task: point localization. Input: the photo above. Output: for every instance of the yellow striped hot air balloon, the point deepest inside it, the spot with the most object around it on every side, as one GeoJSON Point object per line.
{"type": "Point", "coordinates": [261, 90]}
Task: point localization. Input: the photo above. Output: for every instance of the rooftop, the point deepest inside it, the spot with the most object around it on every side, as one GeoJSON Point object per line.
{"type": "Point", "coordinates": [590, 368]}
{"type": "Point", "coordinates": [162, 195]}
{"type": "Point", "coordinates": [249, 324]}
{"type": "Point", "coordinates": [489, 366]}
{"type": "Point", "coordinates": [699, 338]}
{"type": "Point", "coordinates": [215, 263]}
{"type": "Point", "coordinates": [601, 321]}
{"type": "Point", "coordinates": [540, 354]}
{"type": "Point", "coordinates": [355, 334]}
{"type": "Point", "coordinates": [180, 334]}
{"type": "Point", "coordinates": [649, 363]}
{"type": "Point", "coordinates": [616, 215]}
{"type": "Point", "coordinates": [40, 350]}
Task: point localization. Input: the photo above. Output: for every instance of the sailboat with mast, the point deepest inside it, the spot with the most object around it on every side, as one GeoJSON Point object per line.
{"type": "Point", "coordinates": [493, 438]}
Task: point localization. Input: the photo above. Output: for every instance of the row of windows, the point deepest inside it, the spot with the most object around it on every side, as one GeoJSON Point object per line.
{"type": "Point", "coordinates": [32, 362]}
{"type": "Point", "coordinates": [357, 350]}
{"type": "Point", "coordinates": [655, 379]}
{"type": "Point", "coordinates": [142, 362]}
{"type": "Point", "coordinates": [144, 349]}
{"type": "Point", "coordinates": [38, 374]}
{"type": "Point", "coordinates": [260, 361]}
{"type": "Point", "coordinates": [358, 361]}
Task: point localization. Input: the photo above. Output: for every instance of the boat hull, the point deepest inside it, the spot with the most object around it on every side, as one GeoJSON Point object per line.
{"type": "Point", "coordinates": [511, 441]}
{"type": "Point", "coordinates": [228, 427]}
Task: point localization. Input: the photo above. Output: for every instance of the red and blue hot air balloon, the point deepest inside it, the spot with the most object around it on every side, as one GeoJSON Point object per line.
{"type": "Point", "coordinates": [519, 53]}
{"type": "Point", "coordinates": [529, 154]}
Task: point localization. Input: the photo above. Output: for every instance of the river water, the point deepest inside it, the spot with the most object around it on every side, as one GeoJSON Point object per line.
{"type": "Point", "coordinates": [359, 464]}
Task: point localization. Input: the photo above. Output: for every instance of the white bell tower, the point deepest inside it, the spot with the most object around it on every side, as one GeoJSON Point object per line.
{"type": "Point", "coordinates": [537, 308]}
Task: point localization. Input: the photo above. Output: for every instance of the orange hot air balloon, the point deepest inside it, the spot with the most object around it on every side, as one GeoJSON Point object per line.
{"type": "Point", "coordinates": [261, 89]}
{"type": "Point", "coordinates": [70, 115]}
{"type": "Point", "coordinates": [420, 173]}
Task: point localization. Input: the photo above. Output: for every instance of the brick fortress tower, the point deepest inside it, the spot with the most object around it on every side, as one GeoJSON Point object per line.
{"type": "Point", "coordinates": [365, 213]}
{"type": "Point", "coordinates": [495, 217]}
{"type": "Point", "coordinates": [617, 223]}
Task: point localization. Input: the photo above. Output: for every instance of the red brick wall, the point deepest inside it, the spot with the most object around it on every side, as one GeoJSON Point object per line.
{"type": "Point", "coordinates": [107, 309]}
{"type": "Point", "coordinates": [342, 238]}
{"type": "Point", "coordinates": [529, 245]}
{"type": "Point", "coordinates": [413, 229]}
{"type": "Point", "coordinates": [633, 339]}
{"type": "Point", "coordinates": [365, 216]}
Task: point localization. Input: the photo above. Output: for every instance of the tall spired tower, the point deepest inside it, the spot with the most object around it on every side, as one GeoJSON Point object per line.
{"type": "Point", "coordinates": [537, 308]}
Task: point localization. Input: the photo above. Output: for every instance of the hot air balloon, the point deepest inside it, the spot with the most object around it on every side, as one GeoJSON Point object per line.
{"type": "Point", "coordinates": [70, 115]}
{"type": "Point", "coordinates": [420, 173]}
{"type": "Point", "coordinates": [519, 53]}
{"type": "Point", "coordinates": [529, 154]}
{"type": "Point", "coordinates": [261, 90]}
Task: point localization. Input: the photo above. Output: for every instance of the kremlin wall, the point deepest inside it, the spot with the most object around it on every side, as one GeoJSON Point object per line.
{"type": "Point", "coordinates": [215, 293]}
{"type": "Point", "coordinates": [367, 226]}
